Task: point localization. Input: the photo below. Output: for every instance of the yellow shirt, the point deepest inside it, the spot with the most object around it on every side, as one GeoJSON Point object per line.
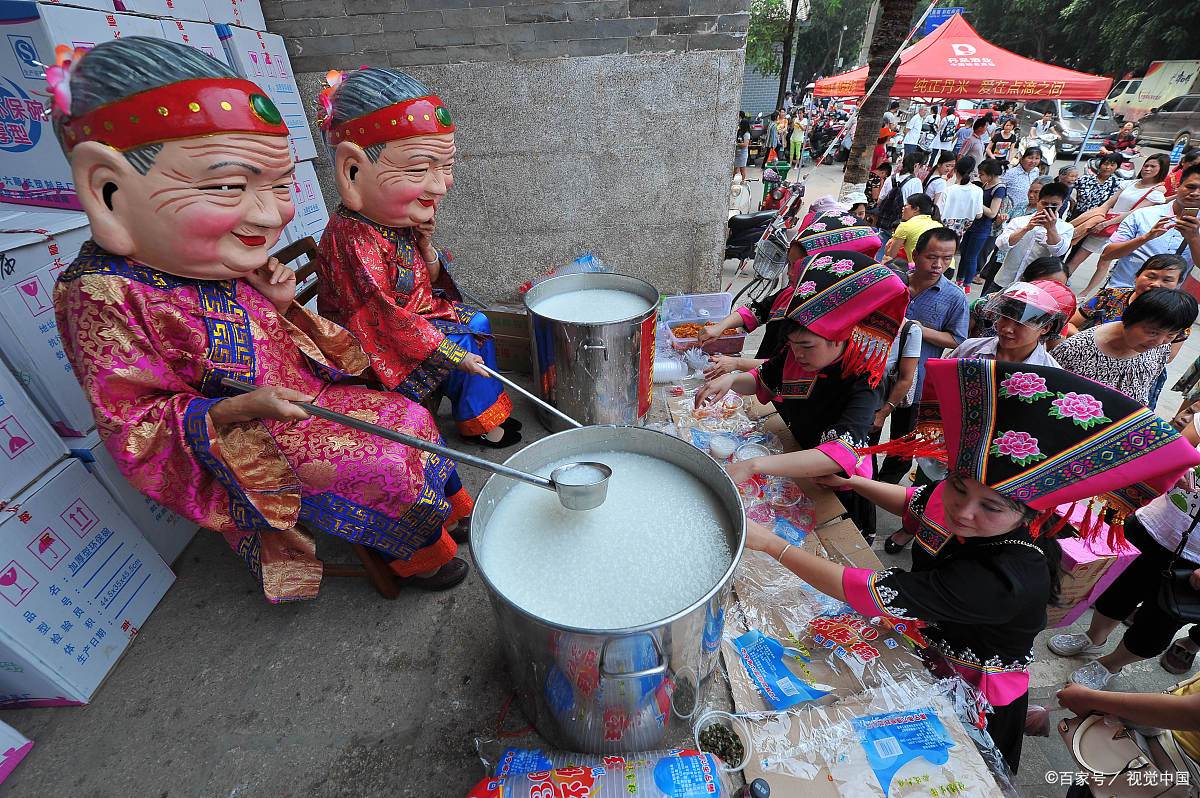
{"type": "Point", "coordinates": [1188, 741]}
{"type": "Point", "coordinates": [910, 231]}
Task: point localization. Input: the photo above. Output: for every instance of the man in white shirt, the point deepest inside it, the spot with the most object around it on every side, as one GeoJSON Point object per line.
{"type": "Point", "coordinates": [912, 130]}
{"type": "Point", "coordinates": [947, 127]}
{"type": "Point", "coordinates": [890, 120]}
{"type": "Point", "coordinates": [1033, 236]}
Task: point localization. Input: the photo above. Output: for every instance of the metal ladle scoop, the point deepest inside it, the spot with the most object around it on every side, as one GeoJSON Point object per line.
{"type": "Point", "coordinates": [580, 486]}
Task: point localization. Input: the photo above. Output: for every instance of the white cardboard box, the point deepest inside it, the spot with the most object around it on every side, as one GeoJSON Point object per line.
{"type": "Point", "coordinates": [33, 168]}
{"type": "Point", "coordinates": [30, 342]}
{"type": "Point", "coordinates": [200, 35]}
{"type": "Point", "coordinates": [262, 58]}
{"type": "Point", "coordinates": [247, 13]}
{"type": "Point", "coordinates": [311, 214]}
{"type": "Point", "coordinates": [194, 10]}
{"type": "Point", "coordinates": [99, 5]}
{"type": "Point", "coordinates": [13, 748]}
{"type": "Point", "coordinates": [28, 444]}
{"type": "Point", "coordinates": [167, 532]}
{"type": "Point", "coordinates": [77, 581]}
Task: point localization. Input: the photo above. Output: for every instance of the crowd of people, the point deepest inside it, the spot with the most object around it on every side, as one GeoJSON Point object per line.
{"type": "Point", "coordinates": [982, 214]}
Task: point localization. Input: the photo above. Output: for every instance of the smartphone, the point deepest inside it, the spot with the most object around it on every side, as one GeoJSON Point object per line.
{"type": "Point", "coordinates": [1052, 210]}
{"type": "Point", "coordinates": [1189, 212]}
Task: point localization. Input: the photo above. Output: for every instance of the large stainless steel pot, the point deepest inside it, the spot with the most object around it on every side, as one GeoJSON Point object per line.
{"type": "Point", "coordinates": [612, 690]}
{"type": "Point", "coordinates": [596, 373]}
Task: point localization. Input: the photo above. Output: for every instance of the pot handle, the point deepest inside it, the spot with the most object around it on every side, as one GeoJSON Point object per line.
{"type": "Point", "coordinates": [657, 670]}
{"type": "Point", "coordinates": [587, 346]}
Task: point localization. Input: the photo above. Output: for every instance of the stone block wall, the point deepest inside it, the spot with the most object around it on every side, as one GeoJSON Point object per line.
{"type": "Point", "coordinates": [604, 126]}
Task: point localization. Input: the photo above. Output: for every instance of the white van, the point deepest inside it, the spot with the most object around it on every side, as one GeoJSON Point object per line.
{"type": "Point", "coordinates": [1163, 81]}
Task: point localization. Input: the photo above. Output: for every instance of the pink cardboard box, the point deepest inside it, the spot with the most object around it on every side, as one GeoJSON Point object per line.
{"type": "Point", "coordinates": [1088, 569]}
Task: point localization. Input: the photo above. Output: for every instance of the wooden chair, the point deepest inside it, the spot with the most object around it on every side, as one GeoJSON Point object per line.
{"type": "Point", "coordinates": [373, 567]}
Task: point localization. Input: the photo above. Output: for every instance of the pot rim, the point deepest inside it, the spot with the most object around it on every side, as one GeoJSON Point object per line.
{"type": "Point", "coordinates": [738, 520]}
{"type": "Point", "coordinates": [647, 287]}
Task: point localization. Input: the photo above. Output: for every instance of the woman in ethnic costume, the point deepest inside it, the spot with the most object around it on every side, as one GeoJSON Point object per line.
{"type": "Point", "coordinates": [392, 142]}
{"type": "Point", "coordinates": [841, 320]}
{"type": "Point", "coordinates": [1022, 440]}
{"type": "Point", "coordinates": [836, 229]}
{"type": "Point", "coordinates": [185, 174]}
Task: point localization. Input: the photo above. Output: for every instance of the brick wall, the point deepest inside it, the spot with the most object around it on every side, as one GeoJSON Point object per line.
{"type": "Point", "coordinates": [420, 32]}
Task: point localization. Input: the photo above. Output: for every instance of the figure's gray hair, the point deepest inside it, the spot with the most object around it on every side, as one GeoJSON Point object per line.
{"type": "Point", "coordinates": [120, 68]}
{"type": "Point", "coordinates": [367, 90]}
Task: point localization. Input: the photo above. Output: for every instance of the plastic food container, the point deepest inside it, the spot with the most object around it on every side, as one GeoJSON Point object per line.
{"type": "Point", "coordinates": [750, 450]}
{"type": "Point", "coordinates": [716, 717]}
{"type": "Point", "coordinates": [701, 309]}
{"type": "Point", "coordinates": [782, 492]}
{"type": "Point", "coordinates": [722, 447]}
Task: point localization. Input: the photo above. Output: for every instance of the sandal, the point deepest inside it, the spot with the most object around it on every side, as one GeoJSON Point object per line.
{"type": "Point", "coordinates": [511, 438]}
{"type": "Point", "coordinates": [893, 546]}
{"type": "Point", "coordinates": [1177, 659]}
{"type": "Point", "coordinates": [449, 575]}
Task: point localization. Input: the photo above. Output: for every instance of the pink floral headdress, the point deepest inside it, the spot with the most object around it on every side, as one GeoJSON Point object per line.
{"type": "Point", "coordinates": [333, 79]}
{"type": "Point", "coordinates": [58, 78]}
{"type": "Point", "coordinates": [1045, 437]}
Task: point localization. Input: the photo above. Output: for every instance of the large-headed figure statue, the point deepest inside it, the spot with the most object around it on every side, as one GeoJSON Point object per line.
{"type": "Point", "coordinates": [185, 174]}
{"type": "Point", "coordinates": [380, 275]}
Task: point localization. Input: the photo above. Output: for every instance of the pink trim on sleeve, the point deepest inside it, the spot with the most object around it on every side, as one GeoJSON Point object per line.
{"type": "Point", "coordinates": [856, 583]}
{"type": "Point", "coordinates": [844, 455]}
{"type": "Point", "coordinates": [761, 392]}
{"type": "Point", "coordinates": [749, 320]}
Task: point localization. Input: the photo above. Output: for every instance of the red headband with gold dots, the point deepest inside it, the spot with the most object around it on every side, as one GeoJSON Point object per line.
{"type": "Point", "coordinates": [423, 116]}
{"type": "Point", "coordinates": [184, 110]}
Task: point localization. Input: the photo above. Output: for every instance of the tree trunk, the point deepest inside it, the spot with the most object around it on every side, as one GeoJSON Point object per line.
{"type": "Point", "coordinates": [895, 20]}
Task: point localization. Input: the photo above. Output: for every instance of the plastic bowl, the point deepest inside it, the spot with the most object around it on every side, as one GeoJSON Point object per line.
{"type": "Point", "coordinates": [750, 450]}
{"type": "Point", "coordinates": [722, 447]}
{"type": "Point", "coordinates": [783, 492]}
{"type": "Point", "coordinates": [734, 723]}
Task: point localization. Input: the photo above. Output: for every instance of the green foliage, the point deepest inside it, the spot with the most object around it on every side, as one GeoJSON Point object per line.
{"type": "Point", "coordinates": [817, 29]}
{"type": "Point", "coordinates": [1098, 36]}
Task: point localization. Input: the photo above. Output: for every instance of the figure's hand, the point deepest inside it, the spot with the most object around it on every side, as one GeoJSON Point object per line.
{"type": "Point", "coordinates": [472, 364]}
{"type": "Point", "coordinates": [425, 241]}
{"type": "Point", "coordinates": [276, 282]}
{"type": "Point", "coordinates": [722, 365]}
{"type": "Point", "coordinates": [1077, 698]}
{"type": "Point", "coordinates": [270, 402]}
{"type": "Point", "coordinates": [759, 538]}
{"type": "Point", "coordinates": [714, 390]}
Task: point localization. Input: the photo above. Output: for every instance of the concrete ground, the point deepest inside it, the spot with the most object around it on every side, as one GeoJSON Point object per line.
{"type": "Point", "coordinates": [349, 695]}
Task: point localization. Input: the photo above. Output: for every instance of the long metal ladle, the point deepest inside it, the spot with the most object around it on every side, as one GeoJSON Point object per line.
{"type": "Point", "coordinates": [580, 486]}
{"type": "Point", "coordinates": [534, 399]}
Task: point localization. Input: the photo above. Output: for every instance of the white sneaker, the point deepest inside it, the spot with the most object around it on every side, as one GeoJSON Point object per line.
{"type": "Point", "coordinates": [1073, 645]}
{"type": "Point", "coordinates": [1093, 675]}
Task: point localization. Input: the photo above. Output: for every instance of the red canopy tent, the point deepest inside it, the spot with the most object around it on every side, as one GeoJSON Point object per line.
{"type": "Point", "coordinates": [956, 62]}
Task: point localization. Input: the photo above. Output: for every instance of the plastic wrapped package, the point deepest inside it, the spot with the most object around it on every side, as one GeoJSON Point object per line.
{"type": "Point", "coordinates": [677, 773]}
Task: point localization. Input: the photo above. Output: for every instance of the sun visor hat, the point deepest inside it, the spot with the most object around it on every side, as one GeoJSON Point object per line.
{"type": "Point", "coordinates": [1024, 303]}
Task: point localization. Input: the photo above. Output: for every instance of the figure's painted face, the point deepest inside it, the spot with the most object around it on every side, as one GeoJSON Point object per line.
{"type": "Point", "coordinates": [408, 182]}
{"type": "Point", "coordinates": [210, 208]}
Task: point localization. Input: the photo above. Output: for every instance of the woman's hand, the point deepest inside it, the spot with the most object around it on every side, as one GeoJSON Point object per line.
{"type": "Point", "coordinates": [722, 365]}
{"type": "Point", "coordinates": [834, 481]}
{"type": "Point", "coordinates": [276, 282]}
{"type": "Point", "coordinates": [1078, 699]}
{"type": "Point", "coordinates": [881, 416]}
{"type": "Point", "coordinates": [741, 471]}
{"type": "Point", "coordinates": [272, 403]}
{"type": "Point", "coordinates": [714, 390]}
{"type": "Point", "coordinates": [472, 364]}
{"type": "Point", "coordinates": [708, 333]}
{"type": "Point", "coordinates": [760, 538]}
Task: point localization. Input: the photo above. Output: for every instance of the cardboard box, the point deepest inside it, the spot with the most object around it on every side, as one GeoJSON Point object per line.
{"type": "Point", "coordinates": [30, 342]}
{"type": "Point", "coordinates": [33, 168]}
{"type": "Point", "coordinates": [167, 532]}
{"type": "Point", "coordinates": [311, 214]}
{"type": "Point", "coordinates": [262, 58]}
{"type": "Point", "coordinates": [194, 10]}
{"type": "Point", "coordinates": [77, 581]}
{"type": "Point", "coordinates": [247, 13]}
{"type": "Point", "coordinates": [99, 5]}
{"type": "Point", "coordinates": [510, 330]}
{"type": "Point", "coordinates": [28, 444]}
{"type": "Point", "coordinates": [513, 354]}
{"type": "Point", "coordinates": [509, 320]}
{"type": "Point", "coordinates": [1088, 568]}
{"type": "Point", "coordinates": [13, 748]}
{"type": "Point", "coordinates": [200, 35]}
